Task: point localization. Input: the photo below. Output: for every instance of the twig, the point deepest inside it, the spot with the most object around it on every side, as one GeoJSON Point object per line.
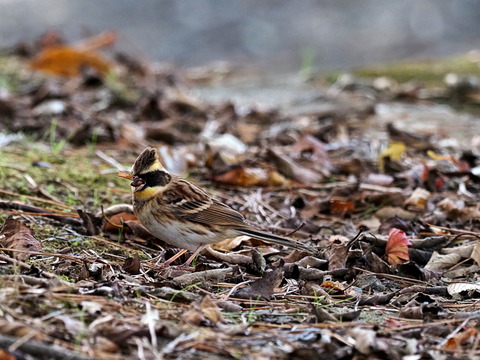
{"type": "Point", "coordinates": [390, 276]}
{"type": "Point", "coordinates": [61, 217]}
{"type": "Point", "coordinates": [36, 198]}
{"type": "Point", "coordinates": [466, 232]}
{"type": "Point", "coordinates": [110, 161]}
{"type": "Point", "coordinates": [201, 276]}
{"type": "Point", "coordinates": [23, 265]}
{"type": "Point", "coordinates": [38, 349]}
{"type": "Point", "coordinates": [295, 230]}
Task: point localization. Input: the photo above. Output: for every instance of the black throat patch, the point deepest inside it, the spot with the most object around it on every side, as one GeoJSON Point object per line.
{"type": "Point", "coordinates": [156, 178]}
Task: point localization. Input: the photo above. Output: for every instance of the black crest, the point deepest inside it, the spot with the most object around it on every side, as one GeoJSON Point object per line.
{"type": "Point", "coordinates": [144, 161]}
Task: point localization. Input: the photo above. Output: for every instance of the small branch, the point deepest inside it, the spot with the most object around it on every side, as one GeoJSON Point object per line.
{"type": "Point", "coordinates": [38, 349]}
{"type": "Point", "coordinates": [110, 160]}
{"type": "Point", "coordinates": [61, 217]}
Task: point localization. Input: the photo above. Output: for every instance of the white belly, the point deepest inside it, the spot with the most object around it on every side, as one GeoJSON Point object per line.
{"type": "Point", "coordinates": [182, 236]}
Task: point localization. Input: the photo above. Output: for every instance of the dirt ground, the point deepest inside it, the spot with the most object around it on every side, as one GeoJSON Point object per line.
{"type": "Point", "coordinates": [375, 172]}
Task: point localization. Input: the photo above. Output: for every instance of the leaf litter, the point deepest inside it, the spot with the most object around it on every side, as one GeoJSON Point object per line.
{"type": "Point", "coordinates": [390, 213]}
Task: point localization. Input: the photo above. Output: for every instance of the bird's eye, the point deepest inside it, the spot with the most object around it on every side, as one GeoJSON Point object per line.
{"type": "Point", "coordinates": [137, 181]}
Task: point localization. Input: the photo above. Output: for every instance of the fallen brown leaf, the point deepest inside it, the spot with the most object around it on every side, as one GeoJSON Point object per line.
{"type": "Point", "coordinates": [132, 265]}
{"type": "Point", "coordinates": [341, 208]}
{"type": "Point", "coordinates": [16, 236]}
{"type": "Point", "coordinates": [251, 177]}
{"type": "Point", "coordinates": [203, 312]}
{"type": "Point", "coordinates": [338, 252]}
{"type": "Point", "coordinates": [263, 288]}
{"type": "Point", "coordinates": [117, 221]}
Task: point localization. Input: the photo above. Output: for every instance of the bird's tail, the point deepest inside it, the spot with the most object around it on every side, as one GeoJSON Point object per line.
{"type": "Point", "coordinates": [257, 234]}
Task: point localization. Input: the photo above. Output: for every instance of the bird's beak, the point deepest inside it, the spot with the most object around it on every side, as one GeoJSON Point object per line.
{"type": "Point", "coordinates": [137, 183]}
{"type": "Point", "coordinates": [125, 175]}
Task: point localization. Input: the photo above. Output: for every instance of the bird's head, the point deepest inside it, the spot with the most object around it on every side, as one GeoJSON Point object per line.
{"type": "Point", "coordinates": [148, 175]}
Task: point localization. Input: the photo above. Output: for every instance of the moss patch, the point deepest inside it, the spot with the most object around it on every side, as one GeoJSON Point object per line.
{"type": "Point", "coordinates": [431, 72]}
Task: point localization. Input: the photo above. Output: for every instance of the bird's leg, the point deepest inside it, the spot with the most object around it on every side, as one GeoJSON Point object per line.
{"type": "Point", "coordinates": [180, 253]}
{"type": "Point", "coordinates": [174, 257]}
{"type": "Point", "coordinates": [195, 253]}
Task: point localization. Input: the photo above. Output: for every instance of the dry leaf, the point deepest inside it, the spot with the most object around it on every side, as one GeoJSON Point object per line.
{"type": "Point", "coordinates": [18, 329]}
{"type": "Point", "coordinates": [461, 165]}
{"type": "Point", "coordinates": [338, 252]}
{"type": "Point", "coordinates": [132, 265]}
{"type": "Point", "coordinates": [263, 288]}
{"type": "Point", "coordinates": [446, 261]}
{"type": "Point", "coordinates": [292, 169]}
{"type": "Point", "coordinates": [475, 256]}
{"type": "Point", "coordinates": [465, 251]}
{"type": "Point", "coordinates": [364, 339]}
{"type": "Point", "coordinates": [67, 61]}
{"type": "Point", "coordinates": [396, 250]}
{"type": "Point", "coordinates": [98, 41]}
{"type": "Point", "coordinates": [4, 355]}
{"type": "Point", "coordinates": [205, 312]}
{"type": "Point", "coordinates": [413, 270]}
{"type": "Point", "coordinates": [230, 244]}
{"type": "Point", "coordinates": [341, 207]}
{"type": "Point", "coordinates": [456, 209]}
{"type": "Point", "coordinates": [456, 341]}
{"type": "Point", "coordinates": [388, 212]}
{"type": "Point", "coordinates": [244, 177]}
{"type": "Point", "coordinates": [333, 286]}
{"type": "Point", "coordinates": [116, 222]}
{"type": "Point", "coordinates": [316, 151]}
{"type": "Point", "coordinates": [15, 235]}
{"type": "Point", "coordinates": [394, 152]}
{"type": "Point", "coordinates": [418, 198]}
{"type": "Point", "coordinates": [463, 290]}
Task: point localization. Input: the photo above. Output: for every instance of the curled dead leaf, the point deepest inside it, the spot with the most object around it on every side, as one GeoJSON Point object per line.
{"type": "Point", "coordinates": [397, 247]}
{"type": "Point", "coordinates": [117, 221]}
{"type": "Point", "coordinates": [132, 265]}
{"type": "Point", "coordinates": [230, 244]}
{"type": "Point", "coordinates": [16, 236]}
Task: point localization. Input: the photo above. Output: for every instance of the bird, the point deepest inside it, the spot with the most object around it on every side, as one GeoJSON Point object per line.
{"type": "Point", "coordinates": [183, 214]}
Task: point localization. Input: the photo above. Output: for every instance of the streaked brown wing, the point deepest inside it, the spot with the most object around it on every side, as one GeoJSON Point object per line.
{"type": "Point", "coordinates": [193, 203]}
{"type": "Point", "coordinates": [216, 214]}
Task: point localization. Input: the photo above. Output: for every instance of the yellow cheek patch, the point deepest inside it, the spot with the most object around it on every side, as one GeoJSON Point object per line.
{"type": "Point", "coordinates": [145, 194]}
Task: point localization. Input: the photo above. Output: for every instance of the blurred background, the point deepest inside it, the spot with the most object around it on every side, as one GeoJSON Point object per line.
{"type": "Point", "coordinates": [275, 35]}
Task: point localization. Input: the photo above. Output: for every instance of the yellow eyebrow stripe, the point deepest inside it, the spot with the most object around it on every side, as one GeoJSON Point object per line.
{"type": "Point", "coordinates": [155, 166]}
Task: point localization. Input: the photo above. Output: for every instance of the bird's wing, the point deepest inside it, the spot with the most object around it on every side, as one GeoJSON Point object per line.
{"type": "Point", "coordinates": [196, 205]}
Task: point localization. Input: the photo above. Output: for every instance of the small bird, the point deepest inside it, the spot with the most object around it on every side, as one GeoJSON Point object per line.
{"type": "Point", "coordinates": [183, 214]}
